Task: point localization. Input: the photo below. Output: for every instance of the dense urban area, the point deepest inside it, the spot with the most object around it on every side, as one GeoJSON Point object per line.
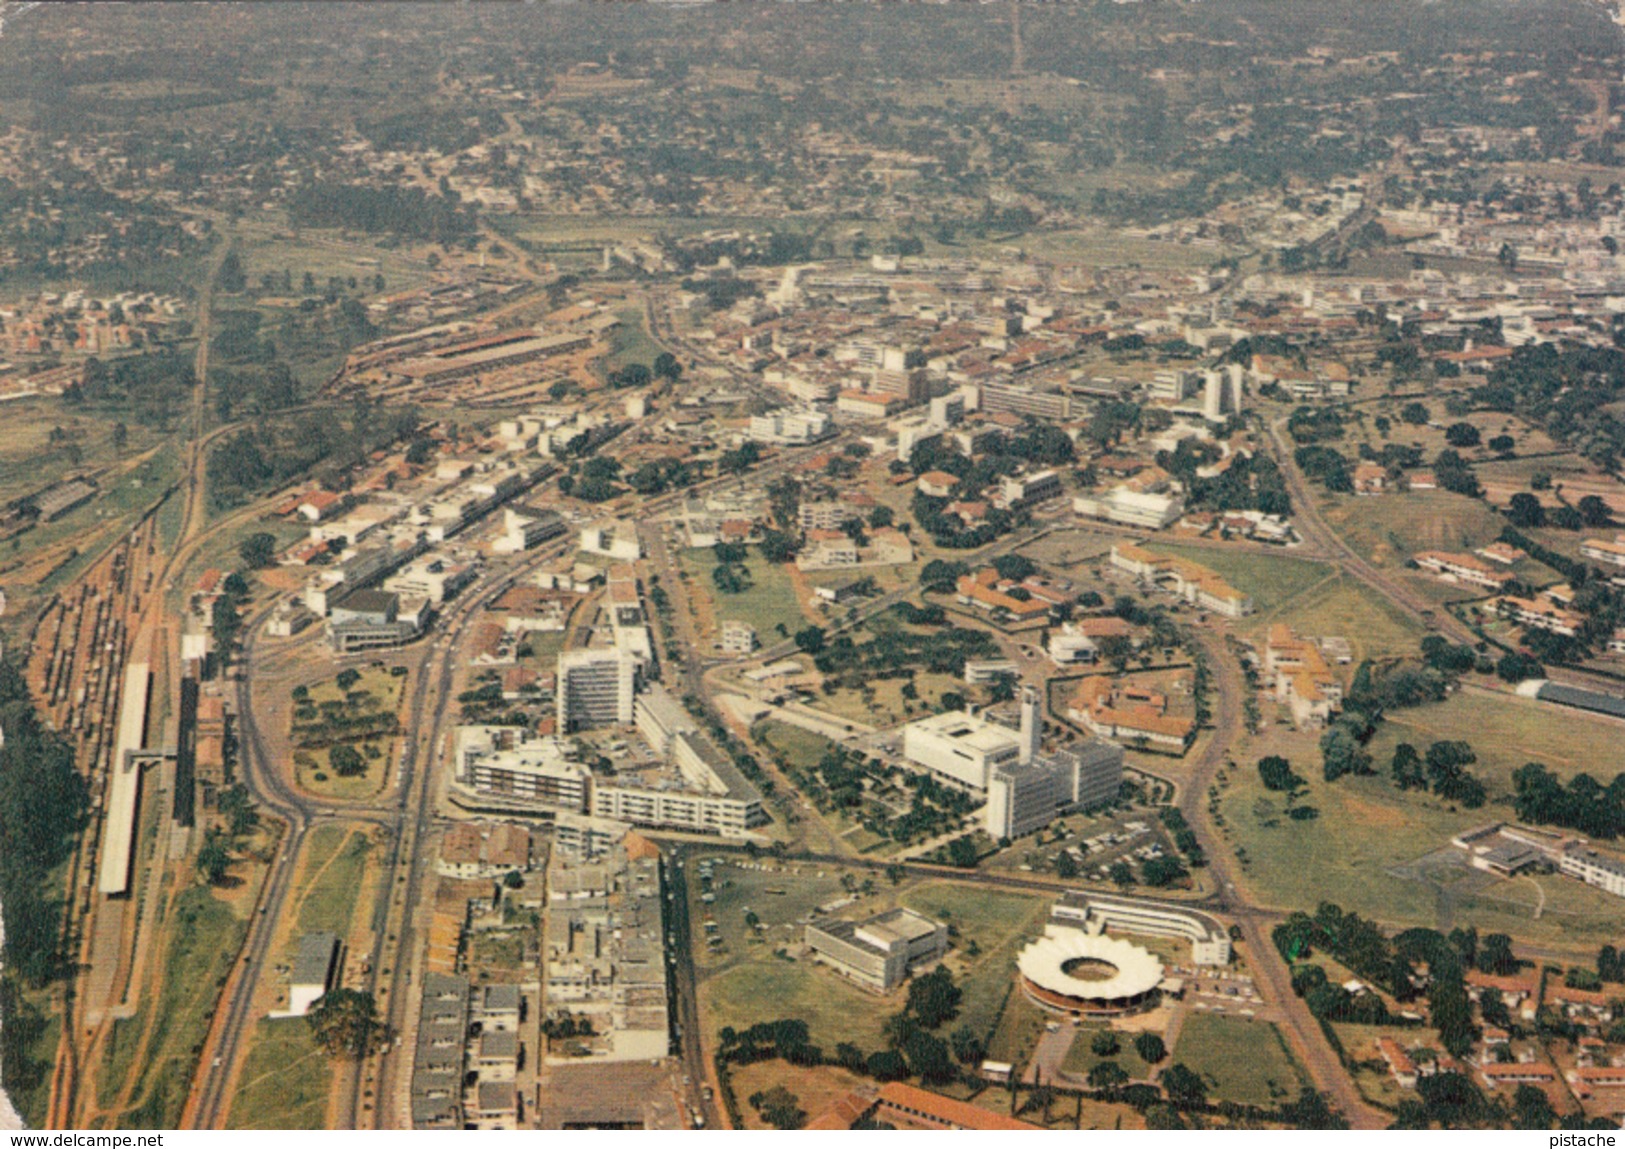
{"type": "Point", "coordinates": [813, 566]}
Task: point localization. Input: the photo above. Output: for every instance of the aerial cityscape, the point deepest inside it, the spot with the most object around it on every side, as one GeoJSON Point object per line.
{"type": "Point", "coordinates": [766, 566]}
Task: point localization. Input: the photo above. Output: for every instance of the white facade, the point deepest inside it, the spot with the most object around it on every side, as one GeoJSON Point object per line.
{"type": "Point", "coordinates": [616, 542]}
{"type": "Point", "coordinates": [595, 687]}
{"type": "Point", "coordinates": [963, 747]}
{"type": "Point", "coordinates": [1132, 508]}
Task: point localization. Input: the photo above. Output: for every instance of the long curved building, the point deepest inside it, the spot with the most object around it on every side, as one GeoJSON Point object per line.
{"type": "Point", "coordinates": [1072, 972]}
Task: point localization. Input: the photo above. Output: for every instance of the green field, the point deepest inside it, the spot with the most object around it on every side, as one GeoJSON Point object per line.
{"type": "Point", "coordinates": [1243, 1061]}
{"type": "Point", "coordinates": [1364, 849]}
{"type": "Point", "coordinates": [1270, 579]}
{"type": "Point", "coordinates": [630, 342]}
{"type": "Point", "coordinates": [1080, 1058]}
{"type": "Point", "coordinates": [746, 981]}
{"type": "Point", "coordinates": [376, 696]}
{"type": "Point", "coordinates": [1506, 731]}
{"type": "Point", "coordinates": [989, 929]}
{"type": "Point", "coordinates": [205, 938]}
{"type": "Point", "coordinates": [1389, 529]}
{"type": "Point", "coordinates": [1340, 606]}
{"type": "Point", "coordinates": [284, 1081]}
{"type": "Point", "coordinates": [335, 863]}
{"type": "Point", "coordinates": [769, 601]}
{"type": "Point", "coordinates": [802, 747]}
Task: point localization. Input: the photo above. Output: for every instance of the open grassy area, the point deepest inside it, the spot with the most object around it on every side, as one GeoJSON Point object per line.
{"type": "Point", "coordinates": [1340, 606]}
{"type": "Point", "coordinates": [1271, 579]}
{"type": "Point", "coordinates": [1081, 1057]}
{"type": "Point", "coordinates": [205, 936]}
{"type": "Point", "coordinates": [816, 1087]}
{"type": "Point", "coordinates": [1389, 529]}
{"type": "Point", "coordinates": [769, 600]}
{"type": "Point", "coordinates": [802, 747]}
{"type": "Point", "coordinates": [362, 718]}
{"type": "Point", "coordinates": [1243, 1061]}
{"type": "Point", "coordinates": [335, 863]}
{"type": "Point", "coordinates": [834, 1009]}
{"type": "Point", "coordinates": [881, 701]}
{"type": "Point", "coordinates": [630, 342]}
{"type": "Point", "coordinates": [989, 929]}
{"type": "Point", "coordinates": [1506, 731]}
{"type": "Point", "coordinates": [284, 1081]}
{"type": "Point", "coordinates": [1369, 850]}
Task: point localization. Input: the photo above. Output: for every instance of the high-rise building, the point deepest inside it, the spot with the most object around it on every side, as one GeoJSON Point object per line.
{"type": "Point", "coordinates": [595, 687]}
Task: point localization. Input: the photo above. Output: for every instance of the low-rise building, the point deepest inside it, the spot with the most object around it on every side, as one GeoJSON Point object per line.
{"type": "Point", "coordinates": [1605, 871]}
{"type": "Point", "coordinates": [1190, 581]}
{"type": "Point", "coordinates": [1462, 568]}
{"type": "Point", "coordinates": [879, 952]}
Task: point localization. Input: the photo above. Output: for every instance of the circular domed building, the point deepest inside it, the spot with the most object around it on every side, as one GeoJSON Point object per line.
{"type": "Point", "coordinates": [1072, 972]}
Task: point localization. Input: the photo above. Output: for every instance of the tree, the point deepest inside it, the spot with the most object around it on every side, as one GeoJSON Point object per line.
{"type": "Point", "coordinates": [942, 577]}
{"type": "Point", "coordinates": [962, 853]}
{"type": "Point", "coordinates": [1524, 511]}
{"type": "Point", "coordinates": [887, 1065]}
{"type": "Point", "coordinates": [1594, 512]}
{"type": "Point", "coordinates": [928, 1058]}
{"type": "Point", "coordinates": [1122, 874]}
{"type": "Point", "coordinates": [213, 858]}
{"type": "Point", "coordinates": [968, 1046]}
{"type": "Point", "coordinates": [810, 640]}
{"type": "Point", "coordinates": [1415, 414]}
{"type": "Point", "coordinates": [1183, 1086]}
{"type": "Point", "coordinates": [1495, 955]}
{"type": "Point", "coordinates": [1107, 1075]}
{"type": "Point", "coordinates": [238, 809]}
{"type": "Point", "coordinates": [1342, 753]}
{"type": "Point", "coordinates": [667, 367]}
{"type": "Point", "coordinates": [1276, 773]}
{"type": "Point", "coordinates": [779, 1108]}
{"type": "Point", "coordinates": [1407, 768]}
{"type": "Point", "coordinates": [933, 998]}
{"type": "Point", "coordinates": [1014, 567]}
{"type": "Point", "coordinates": [1532, 1109]}
{"type": "Point", "coordinates": [1461, 435]}
{"type": "Point", "coordinates": [1065, 867]}
{"type": "Point", "coordinates": [1150, 1048]}
{"type": "Point", "coordinates": [347, 678]}
{"type": "Point", "coordinates": [346, 761]}
{"type": "Point", "coordinates": [258, 550]}
{"type": "Point", "coordinates": [1105, 1044]}
{"type": "Point", "coordinates": [1163, 871]}
{"type": "Point", "coordinates": [345, 1023]}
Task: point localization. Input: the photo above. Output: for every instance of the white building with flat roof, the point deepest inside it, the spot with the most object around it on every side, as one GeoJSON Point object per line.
{"type": "Point", "coordinates": [963, 747]}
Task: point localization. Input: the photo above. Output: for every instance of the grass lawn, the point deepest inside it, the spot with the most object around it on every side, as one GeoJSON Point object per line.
{"type": "Point", "coordinates": [362, 718]}
{"type": "Point", "coordinates": [1507, 731]}
{"type": "Point", "coordinates": [1243, 1061]}
{"type": "Point", "coordinates": [1366, 830]}
{"type": "Point", "coordinates": [284, 1081]}
{"type": "Point", "coordinates": [1081, 1058]}
{"type": "Point", "coordinates": [1270, 579]}
{"type": "Point", "coordinates": [770, 987]}
{"type": "Point", "coordinates": [1342, 607]}
{"type": "Point", "coordinates": [1389, 529]}
{"type": "Point", "coordinates": [204, 939]}
{"type": "Point", "coordinates": [335, 862]}
{"type": "Point", "coordinates": [769, 600]}
{"type": "Point", "coordinates": [989, 929]}
{"type": "Point", "coordinates": [630, 342]}
{"type": "Point", "coordinates": [884, 704]}
{"type": "Point", "coordinates": [802, 747]}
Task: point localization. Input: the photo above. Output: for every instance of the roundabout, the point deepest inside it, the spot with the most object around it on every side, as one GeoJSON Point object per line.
{"type": "Point", "coordinates": [1073, 972]}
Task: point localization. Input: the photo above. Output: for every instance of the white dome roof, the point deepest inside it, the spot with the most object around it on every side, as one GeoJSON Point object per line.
{"type": "Point", "coordinates": [1138, 970]}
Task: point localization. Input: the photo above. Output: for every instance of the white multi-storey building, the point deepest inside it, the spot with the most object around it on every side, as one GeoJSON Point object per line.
{"type": "Point", "coordinates": [596, 687]}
